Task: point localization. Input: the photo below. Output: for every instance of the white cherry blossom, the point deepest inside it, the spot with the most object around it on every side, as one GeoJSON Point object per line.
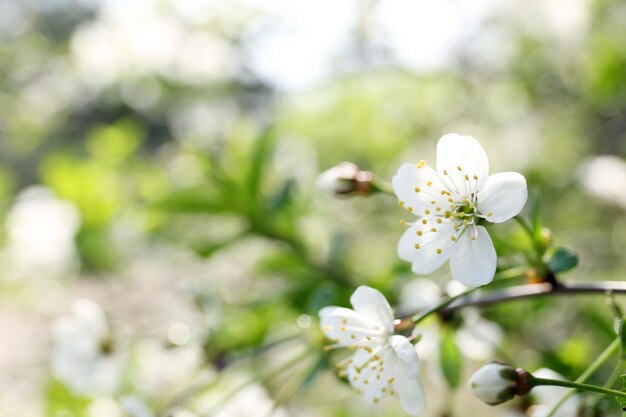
{"type": "Point", "coordinates": [383, 364]}
{"type": "Point", "coordinates": [84, 356]}
{"type": "Point", "coordinates": [449, 202]}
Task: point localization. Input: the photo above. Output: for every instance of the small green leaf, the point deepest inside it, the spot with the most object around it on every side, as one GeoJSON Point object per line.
{"type": "Point", "coordinates": [450, 358]}
{"type": "Point", "coordinates": [534, 200]}
{"type": "Point", "coordinates": [192, 201]}
{"type": "Point", "coordinates": [321, 364]}
{"type": "Point", "coordinates": [259, 156]}
{"type": "Point", "coordinates": [562, 260]}
{"type": "Point", "coordinates": [206, 250]}
{"type": "Point", "coordinates": [61, 400]}
{"type": "Point", "coordinates": [284, 197]}
{"type": "Point", "coordinates": [323, 295]}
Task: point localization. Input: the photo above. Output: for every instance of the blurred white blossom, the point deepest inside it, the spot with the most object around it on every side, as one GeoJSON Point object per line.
{"type": "Point", "coordinates": [85, 355]}
{"type": "Point", "coordinates": [251, 401]}
{"type": "Point", "coordinates": [477, 337]}
{"type": "Point", "coordinates": [546, 397]}
{"type": "Point", "coordinates": [138, 38]}
{"type": "Point", "coordinates": [104, 407]}
{"type": "Point", "coordinates": [604, 177]}
{"type": "Point", "coordinates": [162, 369]}
{"type": "Point", "coordinates": [41, 230]}
{"type": "Point", "coordinates": [237, 395]}
{"type": "Point", "coordinates": [135, 407]}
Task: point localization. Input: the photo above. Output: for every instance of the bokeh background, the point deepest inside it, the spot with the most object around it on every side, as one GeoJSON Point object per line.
{"type": "Point", "coordinates": [159, 157]}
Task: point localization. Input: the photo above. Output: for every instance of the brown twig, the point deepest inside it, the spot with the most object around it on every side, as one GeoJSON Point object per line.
{"type": "Point", "coordinates": [521, 292]}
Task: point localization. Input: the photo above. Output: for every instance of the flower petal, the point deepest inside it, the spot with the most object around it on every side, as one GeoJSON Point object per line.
{"type": "Point", "coordinates": [494, 383]}
{"type": "Point", "coordinates": [347, 326]}
{"type": "Point", "coordinates": [410, 391]}
{"type": "Point", "coordinates": [369, 376]}
{"type": "Point", "coordinates": [423, 251]}
{"type": "Point", "coordinates": [455, 151]}
{"type": "Point", "coordinates": [371, 304]}
{"type": "Point", "coordinates": [473, 261]}
{"type": "Point", "coordinates": [407, 354]}
{"type": "Point", "coordinates": [503, 196]}
{"type": "Point", "coordinates": [420, 188]}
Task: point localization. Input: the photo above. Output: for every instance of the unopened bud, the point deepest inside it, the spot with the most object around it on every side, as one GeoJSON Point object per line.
{"type": "Point", "coordinates": [497, 382]}
{"type": "Point", "coordinates": [345, 178]}
{"type": "Point", "coordinates": [546, 237]}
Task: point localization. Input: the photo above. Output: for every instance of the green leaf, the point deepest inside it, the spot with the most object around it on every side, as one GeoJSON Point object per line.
{"type": "Point", "coordinates": [284, 197]}
{"type": "Point", "coordinates": [323, 295]}
{"type": "Point", "coordinates": [450, 358]}
{"type": "Point", "coordinates": [192, 201]}
{"type": "Point", "coordinates": [535, 209]}
{"type": "Point", "coordinates": [259, 155]}
{"type": "Point", "coordinates": [116, 142]}
{"type": "Point", "coordinates": [562, 260]}
{"type": "Point", "coordinates": [339, 246]}
{"type": "Point", "coordinates": [60, 400]}
{"type": "Point", "coordinates": [321, 365]}
{"type": "Point", "coordinates": [206, 250]}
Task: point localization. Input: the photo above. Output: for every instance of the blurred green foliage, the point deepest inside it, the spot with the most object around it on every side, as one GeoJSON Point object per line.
{"type": "Point", "coordinates": [211, 166]}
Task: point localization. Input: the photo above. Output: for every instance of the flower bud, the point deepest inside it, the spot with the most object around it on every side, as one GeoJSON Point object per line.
{"type": "Point", "coordinates": [497, 382]}
{"type": "Point", "coordinates": [345, 178]}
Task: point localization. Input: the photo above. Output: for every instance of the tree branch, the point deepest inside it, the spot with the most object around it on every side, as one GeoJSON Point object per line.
{"type": "Point", "coordinates": [537, 290]}
{"type": "Point", "coordinates": [475, 299]}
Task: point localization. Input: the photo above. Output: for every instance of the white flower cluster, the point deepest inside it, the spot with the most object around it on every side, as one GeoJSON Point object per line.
{"type": "Point", "coordinates": [452, 203]}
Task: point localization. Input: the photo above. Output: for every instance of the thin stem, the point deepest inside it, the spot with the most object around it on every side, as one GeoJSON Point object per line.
{"type": "Point", "coordinates": [511, 273]}
{"type": "Point", "coordinates": [524, 224]}
{"type": "Point", "coordinates": [381, 185]}
{"type": "Point", "coordinates": [538, 250]}
{"type": "Point", "coordinates": [267, 377]}
{"type": "Point", "coordinates": [575, 385]}
{"type": "Point", "coordinates": [610, 382]}
{"type": "Point", "coordinates": [203, 385]}
{"type": "Point", "coordinates": [604, 356]}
